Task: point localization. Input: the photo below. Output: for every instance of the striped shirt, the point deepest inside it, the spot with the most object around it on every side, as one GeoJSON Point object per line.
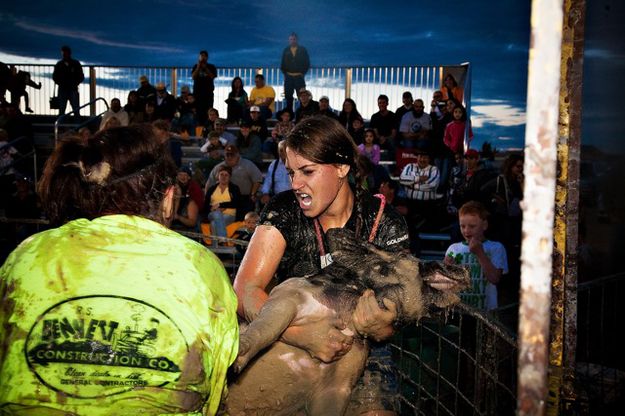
{"type": "Point", "coordinates": [415, 190]}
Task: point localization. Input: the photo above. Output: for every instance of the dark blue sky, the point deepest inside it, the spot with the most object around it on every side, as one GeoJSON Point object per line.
{"type": "Point", "coordinates": [492, 35]}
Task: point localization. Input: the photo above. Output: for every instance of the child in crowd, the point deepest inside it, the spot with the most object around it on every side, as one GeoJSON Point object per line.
{"type": "Point", "coordinates": [209, 126]}
{"type": "Point", "coordinates": [245, 233]}
{"type": "Point", "coordinates": [358, 131]}
{"type": "Point", "coordinates": [214, 140]}
{"type": "Point", "coordinates": [370, 148]}
{"type": "Point", "coordinates": [454, 131]}
{"type": "Point", "coordinates": [284, 126]}
{"type": "Point", "coordinates": [487, 259]}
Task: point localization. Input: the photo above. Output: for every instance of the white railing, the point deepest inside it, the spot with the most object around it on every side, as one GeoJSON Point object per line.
{"type": "Point", "coordinates": [362, 84]}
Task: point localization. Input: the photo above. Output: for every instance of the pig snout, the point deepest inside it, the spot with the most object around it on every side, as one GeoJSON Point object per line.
{"type": "Point", "coordinates": [439, 282]}
{"type": "Point", "coordinates": [442, 284]}
{"type": "Point", "coordinates": [442, 276]}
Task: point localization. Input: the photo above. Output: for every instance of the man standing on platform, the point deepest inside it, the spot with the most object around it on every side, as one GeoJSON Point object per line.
{"type": "Point", "coordinates": [203, 75]}
{"type": "Point", "coordinates": [68, 75]}
{"type": "Point", "coordinates": [295, 63]}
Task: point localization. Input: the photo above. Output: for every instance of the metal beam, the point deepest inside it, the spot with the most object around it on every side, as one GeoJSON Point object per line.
{"type": "Point", "coordinates": [174, 82]}
{"type": "Point", "coordinates": [564, 284]}
{"type": "Point", "coordinates": [92, 90]}
{"type": "Point", "coordinates": [541, 136]}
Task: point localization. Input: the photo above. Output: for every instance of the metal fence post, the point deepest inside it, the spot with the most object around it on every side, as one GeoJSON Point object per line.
{"type": "Point", "coordinates": [174, 82]}
{"type": "Point", "coordinates": [348, 83]}
{"type": "Point", "coordinates": [564, 285]}
{"type": "Point", "coordinates": [467, 106]}
{"type": "Point", "coordinates": [538, 206]}
{"type": "Point", "coordinates": [92, 93]}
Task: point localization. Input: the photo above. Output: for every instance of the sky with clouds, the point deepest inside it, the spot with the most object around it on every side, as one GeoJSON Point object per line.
{"type": "Point", "coordinates": [493, 36]}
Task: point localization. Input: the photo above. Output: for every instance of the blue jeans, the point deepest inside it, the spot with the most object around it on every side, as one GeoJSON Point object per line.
{"type": "Point", "coordinates": [219, 221]}
{"type": "Point", "coordinates": [292, 84]}
{"type": "Point", "coordinates": [72, 96]}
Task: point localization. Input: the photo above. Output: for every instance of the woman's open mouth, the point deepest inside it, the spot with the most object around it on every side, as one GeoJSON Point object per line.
{"type": "Point", "coordinates": [305, 200]}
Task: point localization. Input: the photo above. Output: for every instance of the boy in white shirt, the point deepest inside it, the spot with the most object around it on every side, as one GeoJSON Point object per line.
{"type": "Point", "coordinates": [487, 259]}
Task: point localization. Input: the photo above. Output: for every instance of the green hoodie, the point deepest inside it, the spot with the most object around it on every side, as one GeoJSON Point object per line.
{"type": "Point", "coordinates": [113, 316]}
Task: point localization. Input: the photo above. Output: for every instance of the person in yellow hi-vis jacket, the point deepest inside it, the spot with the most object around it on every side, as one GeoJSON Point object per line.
{"type": "Point", "coordinates": [112, 313]}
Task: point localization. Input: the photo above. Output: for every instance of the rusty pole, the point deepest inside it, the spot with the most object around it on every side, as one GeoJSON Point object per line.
{"type": "Point", "coordinates": [541, 135]}
{"type": "Point", "coordinates": [92, 90]}
{"type": "Point", "coordinates": [564, 284]}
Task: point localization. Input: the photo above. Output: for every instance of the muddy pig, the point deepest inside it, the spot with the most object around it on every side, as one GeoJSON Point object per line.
{"type": "Point", "coordinates": [286, 380]}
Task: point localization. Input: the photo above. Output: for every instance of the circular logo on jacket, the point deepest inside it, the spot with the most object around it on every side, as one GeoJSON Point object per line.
{"type": "Point", "coordinates": [95, 346]}
{"type": "Point", "coordinates": [416, 126]}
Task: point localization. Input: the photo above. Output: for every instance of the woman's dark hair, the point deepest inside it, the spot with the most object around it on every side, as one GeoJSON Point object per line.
{"type": "Point", "coordinates": [509, 163]}
{"type": "Point", "coordinates": [353, 103]}
{"type": "Point", "coordinates": [452, 78]}
{"type": "Point", "coordinates": [232, 84]}
{"type": "Point", "coordinates": [346, 118]}
{"type": "Point", "coordinates": [161, 124]}
{"type": "Point", "coordinates": [132, 93]}
{"type": "Point", "coordinates": [323, 140]}
{"type": "Point", "coordinates": [123, 170]}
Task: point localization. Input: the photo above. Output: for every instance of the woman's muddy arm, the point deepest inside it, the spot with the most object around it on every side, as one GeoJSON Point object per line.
{"type": "Point", "coordinates": [257, 268]}
{"type": "Point", "coordinates": [323, 339]}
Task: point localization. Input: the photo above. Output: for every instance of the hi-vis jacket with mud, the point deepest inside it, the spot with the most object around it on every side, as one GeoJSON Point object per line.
{"type": "Point", "coordinates": [114, 316]}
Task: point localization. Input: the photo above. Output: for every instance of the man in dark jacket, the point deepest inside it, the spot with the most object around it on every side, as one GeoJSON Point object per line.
{"type": "Point", "coordinates": [165, 103]}
{"type": "Point", "coordinates": [203, 74]}
{"type": "Point", "coordinates": [68, 75]}
{"type": "Point", "coordinates": [307, 108]}
{"type": "Point", "coordinates": [295, 63]}
{"type": "Point", "coordinates": [146, 91]}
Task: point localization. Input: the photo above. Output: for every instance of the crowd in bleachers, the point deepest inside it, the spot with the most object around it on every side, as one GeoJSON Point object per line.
{"type": "Point", "coordinates": [416, 157]}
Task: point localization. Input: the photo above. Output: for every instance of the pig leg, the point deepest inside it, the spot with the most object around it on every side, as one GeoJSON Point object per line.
{"type": "Point", "coordinates": [274, 317]}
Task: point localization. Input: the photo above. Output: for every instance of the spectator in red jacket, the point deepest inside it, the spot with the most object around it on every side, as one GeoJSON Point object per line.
{"type": "Point", "coordinates": [454, 131]}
